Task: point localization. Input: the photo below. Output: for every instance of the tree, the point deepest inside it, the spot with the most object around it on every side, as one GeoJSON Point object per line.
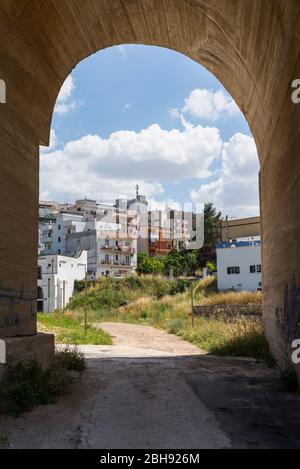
{"type": "Point", "coordinates": [149, 265]}
{"type": "Point", "coordinates": [212, 233]}
{"type": "Point", "coordinates": [212, 224]}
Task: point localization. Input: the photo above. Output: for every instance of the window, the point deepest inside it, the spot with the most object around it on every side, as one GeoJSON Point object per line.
{"type": "Point", "coordinates": [59, 227]}
{"type": "Point", "coordinates": [258, 268]}
{"type": "Point", "coordinates": [252, 269]}
{"type": "Point", "coordinates": [59, 239]}
{"type": "Point", "coordinates": [128, 260]}
{"type": "Point", "coordinates": [39, 272]}
{"type": "Point", "coordinates": [233, 270]}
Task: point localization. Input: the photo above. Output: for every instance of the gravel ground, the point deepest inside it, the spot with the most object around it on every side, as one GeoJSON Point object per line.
{"type": "Point", "coordinates": [153, 390]}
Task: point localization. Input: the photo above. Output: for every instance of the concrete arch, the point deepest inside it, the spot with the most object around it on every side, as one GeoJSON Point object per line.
{"type": "Point", "coordinates": [251, 46]}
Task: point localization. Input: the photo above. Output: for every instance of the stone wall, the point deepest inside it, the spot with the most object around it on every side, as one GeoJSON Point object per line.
{"type": "Point", "coordinates": [230, 312]}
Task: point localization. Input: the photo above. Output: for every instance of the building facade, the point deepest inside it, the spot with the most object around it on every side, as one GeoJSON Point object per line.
{"type": "Point", "coordinates": [111, 245]}
{"type": "Point", "coordinates": [239, 265]}
{"type": "Point", "coordinates": [54, 229]}
{"type": "Point", "coordinates": [56, 277]}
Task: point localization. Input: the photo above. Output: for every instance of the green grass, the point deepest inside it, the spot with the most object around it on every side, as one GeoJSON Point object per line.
{"type": "Point", "coordinates": [243, 337]}
{"type": "Point", "coordinates": [68, 330]}
{"type": "Point", "coordinates": [164, 304]}
{"type": "Point", "coordinates": [27, 384]}
{"type": "Point", "coordinates": [108, 293]}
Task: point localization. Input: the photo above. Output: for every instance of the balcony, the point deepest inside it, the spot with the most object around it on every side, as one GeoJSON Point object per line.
{"type": "Point", "coordinates": [116, 264]}
{"type": "Point", "coordinates": [127, 250]}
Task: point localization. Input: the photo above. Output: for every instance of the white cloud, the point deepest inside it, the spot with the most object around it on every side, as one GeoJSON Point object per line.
{"type": "Point", "coordinates": [154, 204]}
{"type": "Point", "coordinates": [65, 102]}
{"type": "Point", "coordinates": [235, 192]}
{"type": "Point", "coordinates": [209, 105]}
{"type": "Point", "coordinates": [174, 112]}
{"type": "Point", "coordinates": [93, 165]}
{"type": "Point", "coordinates": [127, 106]}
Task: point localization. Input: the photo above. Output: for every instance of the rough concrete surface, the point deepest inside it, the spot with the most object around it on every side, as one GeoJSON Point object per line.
{"type": "Point", "coordinates": [136, 397]}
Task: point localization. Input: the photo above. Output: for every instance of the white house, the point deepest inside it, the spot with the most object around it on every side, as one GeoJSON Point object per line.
{"type": "Point", "coordinates": [56, 278]}
{"type": "Point", "coordinates": [239, 265]}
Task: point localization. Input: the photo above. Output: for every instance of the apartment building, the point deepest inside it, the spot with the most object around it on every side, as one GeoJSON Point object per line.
{"type": "Point", "coordinates": [110, 242]}
{"type": "Point", "coordinates": [174, 229]}
{"type": "Point", "coordinates": [53, 230]}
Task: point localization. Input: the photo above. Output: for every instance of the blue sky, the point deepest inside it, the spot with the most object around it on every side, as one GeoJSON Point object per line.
{"type": "Point", "coordinates": [148, 115]}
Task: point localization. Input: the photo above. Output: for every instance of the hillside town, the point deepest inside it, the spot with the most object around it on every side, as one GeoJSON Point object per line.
{"type": "Point", "coordinates": [101, 239]}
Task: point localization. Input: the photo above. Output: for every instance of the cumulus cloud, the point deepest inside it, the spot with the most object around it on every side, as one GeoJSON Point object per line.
{"type": "Point", "coordinates": [65, 102]}
{"type": "Point", "coordinates": [110, 168]}
{"type": "Point", "coordinates": [235, 191]}
{"type": "Point", "coordinates": [92, 164]}
{"type": "Point", "coordinates": [207, 105]}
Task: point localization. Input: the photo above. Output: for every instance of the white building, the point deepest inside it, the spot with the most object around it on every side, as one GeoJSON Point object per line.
{"type": "Point", "coordinates": [111, 247]}
{"type": "Point", "coordinates": [54, 229]}
{"type": "Point", "coordinates": [56, 278]}
{"type": "Point", "coordinates": [239, 265]}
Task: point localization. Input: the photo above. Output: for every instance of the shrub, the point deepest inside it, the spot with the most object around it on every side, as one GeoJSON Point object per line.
{"type": "Point", "coordinates": [175, 325]}
{"type": "Point", "coordinates": [71, 358]}
{"type": "Point", "coordinates": [179, 286]}
{"type": "Point", "coordinates": [27, 384]}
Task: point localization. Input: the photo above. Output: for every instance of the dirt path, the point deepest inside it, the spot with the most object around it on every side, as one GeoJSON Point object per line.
{"type": "Point", "coordinates": [153, 390]}
{"type": "Point", "coordinates": [145, 337]}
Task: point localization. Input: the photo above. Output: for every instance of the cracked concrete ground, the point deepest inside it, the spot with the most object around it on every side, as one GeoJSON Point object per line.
{"type": "Point", "coordinates": [166, 395]}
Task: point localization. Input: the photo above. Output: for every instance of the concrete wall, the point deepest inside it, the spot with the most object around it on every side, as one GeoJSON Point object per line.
{"type": "Point", "coordinates": [251, 46]}
{"type": "Point", "coordinates": [240, 228]}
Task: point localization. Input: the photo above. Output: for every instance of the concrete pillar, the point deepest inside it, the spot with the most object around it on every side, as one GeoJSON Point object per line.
{"type": "Point", "coordinates": [280, 212]}
{"type": "Point", "coordinates": [19, 195]}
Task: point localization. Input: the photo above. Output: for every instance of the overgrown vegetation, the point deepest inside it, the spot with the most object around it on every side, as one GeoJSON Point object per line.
{"type": "Point", "coordinates": [109, 293]}
{"type": "Point", "coordinates": [178, 263]}
{"type": "Point", "coordinates": [244, 297]}
{"type": "Point", "coordinates": [27, 384]}
{"type": "Point", "coordinates": [166, 304]}
{"type": "Point", "coordinates": [243, 337]}
{"type": "Point", "coordinates": [69, 330]}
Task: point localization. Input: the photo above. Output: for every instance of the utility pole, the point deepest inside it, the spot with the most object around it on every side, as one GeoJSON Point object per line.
{"type": "Point", "coordinates": [85, 304]}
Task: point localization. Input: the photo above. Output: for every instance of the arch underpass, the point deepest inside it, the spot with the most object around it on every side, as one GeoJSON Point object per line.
{"type": "Point", "coordinates": [251, 46]}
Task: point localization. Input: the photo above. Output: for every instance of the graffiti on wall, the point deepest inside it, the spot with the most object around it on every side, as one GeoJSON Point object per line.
{"type": "Point", "coordinates": [14, 304]}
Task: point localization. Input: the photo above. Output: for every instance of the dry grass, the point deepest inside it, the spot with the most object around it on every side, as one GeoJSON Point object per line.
{"type": "Point", "coordinates": [242, 337]}
{"type": "Point", "coordinates": [243, 297]}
